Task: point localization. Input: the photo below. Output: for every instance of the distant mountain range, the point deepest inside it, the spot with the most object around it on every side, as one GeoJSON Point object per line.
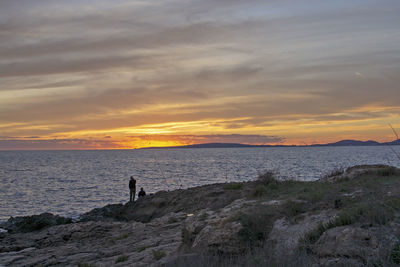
{"type": "Point", "coordinates": [360, 143]}
{"type": "Point", "coordinates": [339, 143]}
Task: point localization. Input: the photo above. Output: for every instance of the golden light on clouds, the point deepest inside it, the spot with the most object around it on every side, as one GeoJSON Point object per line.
{"type": "Point", "coordinates": [130, 74]}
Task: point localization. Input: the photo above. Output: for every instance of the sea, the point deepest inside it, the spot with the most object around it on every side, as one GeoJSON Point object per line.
{"type": "Point", "coordinates": [69, 183]}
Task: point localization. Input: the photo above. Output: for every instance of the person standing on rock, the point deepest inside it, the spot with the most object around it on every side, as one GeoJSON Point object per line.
{"type": "Point", "coordinates": [132, 189]}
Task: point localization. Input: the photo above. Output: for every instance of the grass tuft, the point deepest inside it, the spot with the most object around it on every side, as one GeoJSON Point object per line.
{"type": "Point", "coordinates": [86, 265]}
{"type": "Point", "coordinates": [259, 191]}
{"type": "Point", "coordinates": [294, 208]}
{"type": "Point", "coordinates": [122, 258]}
{"type": "Point", "coordinates": [158, 254]}
{"type": "Point", "coordinates": [142, 248]}
{"type": "Point", "coordinates": [233, 186]}
{"type": "Point", "coordinates": [124, 236]}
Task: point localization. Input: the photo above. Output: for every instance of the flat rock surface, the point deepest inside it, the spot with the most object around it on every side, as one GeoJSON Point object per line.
{"type": "Point", "coordinates": [99, 243]}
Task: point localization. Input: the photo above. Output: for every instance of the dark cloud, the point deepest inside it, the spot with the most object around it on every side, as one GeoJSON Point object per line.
{"type": "Point", "coordinates": [95, 103]}
{"type": "Point", "coordinates": [8, 137]}
{"type": "Point", "coordinates": [57, 144]}
{"type": "Point", "coordinates": [59, 65]}
{"type": "Point", "coordinates": [38, 84]}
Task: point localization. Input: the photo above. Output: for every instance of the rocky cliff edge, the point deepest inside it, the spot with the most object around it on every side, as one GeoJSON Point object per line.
{"type": "Point", "coordinates": [348, 218]}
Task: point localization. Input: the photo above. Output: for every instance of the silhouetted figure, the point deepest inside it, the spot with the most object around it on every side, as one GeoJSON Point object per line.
{"type": "Point", "coordinates": [141, 192]}
{"type": "Point", "coordinates": [132, 189]}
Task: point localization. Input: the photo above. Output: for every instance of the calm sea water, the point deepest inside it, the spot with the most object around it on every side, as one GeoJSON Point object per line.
{"type": "Point", "coordinates": [69, 183]}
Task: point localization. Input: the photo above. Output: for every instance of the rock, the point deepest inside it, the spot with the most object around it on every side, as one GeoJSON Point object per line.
{"type": "Point", "coordinates": [355, 243]}
{"type": "Point", "coordinates": [33, 223]}
{"type": "Point", "coordinates": [273, 202]}
{"type": "Point", "coordinates": [217, 233]}
{"type": "Point", "coordinates": [11, 257]}
{"type": "Point", "coordinates": [109, 212]}
{"type": "Point", "coordinates": [190, 200]}
{"type": "Point", "coordinates": [182, 260]}
{"type": "Point", "coordinates": [285, 235]}
{"type": "Point", "coordinates": [359, 170]}
{"type": "Point", "coordinates": [101, 243]}
{"type": "Point", "coordinates": [219, 239]}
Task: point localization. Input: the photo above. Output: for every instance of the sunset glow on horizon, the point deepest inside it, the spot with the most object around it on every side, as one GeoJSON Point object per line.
{"type": "Point", "coordinates": [132, 74]}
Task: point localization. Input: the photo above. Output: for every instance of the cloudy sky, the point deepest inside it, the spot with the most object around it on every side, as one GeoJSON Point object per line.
{"type": "Point", "coordinates": [94, 74]}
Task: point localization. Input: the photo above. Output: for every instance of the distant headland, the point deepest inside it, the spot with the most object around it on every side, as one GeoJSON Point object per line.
{"type": "Point", "coordinates": [238, 145]}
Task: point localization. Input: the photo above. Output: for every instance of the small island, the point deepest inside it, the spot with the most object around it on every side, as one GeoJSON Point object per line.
{"type": "Point", "coordinates": [348, 218]}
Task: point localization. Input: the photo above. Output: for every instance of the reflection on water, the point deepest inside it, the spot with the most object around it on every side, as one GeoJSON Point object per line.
{"type": "Point", "coordinates": [72, 182]}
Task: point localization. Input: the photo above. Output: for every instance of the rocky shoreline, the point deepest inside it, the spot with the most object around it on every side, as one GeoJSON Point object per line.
{"type": "Point", "coordinates": [348, 218]}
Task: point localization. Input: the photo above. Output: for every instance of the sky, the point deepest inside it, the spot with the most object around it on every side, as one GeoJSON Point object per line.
{"type": "Point", "coordinates": [97, 74]}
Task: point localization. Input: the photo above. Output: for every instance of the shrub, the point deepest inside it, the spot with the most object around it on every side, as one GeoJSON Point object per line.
{"type": "Point", "coordinates": [294, 208]}
{"type": "Point", "coordinates": [312, 193]}
{"type": "Point", "coordinates": [393, 202]}
{"type": "Point", "coordinates": [267, 177]}
{"type": "Point", "coordinates": [313, 236]}
{"type": "Point", "coordinates": [121, 259]}
{"type": "Point", "coordinates": [389, 171]}
{"type": "Point", "coordinates": [158, 254]}
{"type": "Point", "coordinates": [338, 203]}
{"type": "Point", "coordinates": [371, 213]}
{"type": "Point", "coordinates": [255, 225]}
{"type": "Point", "coordinates": [344, 218]}
{"type": "Point", "coordinates": [259, 191]}
{"type": "Point", "coordinates": [395, 255]}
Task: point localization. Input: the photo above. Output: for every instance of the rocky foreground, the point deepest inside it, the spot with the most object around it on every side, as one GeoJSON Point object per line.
{"type": "Point", "coordinates": [348, 218]}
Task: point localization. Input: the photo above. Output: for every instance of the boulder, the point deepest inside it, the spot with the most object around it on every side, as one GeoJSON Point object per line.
{"type": "Point", "coordinates": [358, 244]}
{"type": "Point", "coordinates": [285, 234]}
{"type": "Point", "coordinates": [109, 212]}
{"type": "Point", "coordinates": [150, 207]}
{"type": "Point", "coordinates": [359, 170]}
{"type": "Point", "coordinates": [33, 223]}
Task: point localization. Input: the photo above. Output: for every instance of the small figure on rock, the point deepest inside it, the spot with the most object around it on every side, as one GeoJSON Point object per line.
{"type": "Point", "coordinates": [132, 189]}
{"type": "Point", "coordinates": [141, 193]}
